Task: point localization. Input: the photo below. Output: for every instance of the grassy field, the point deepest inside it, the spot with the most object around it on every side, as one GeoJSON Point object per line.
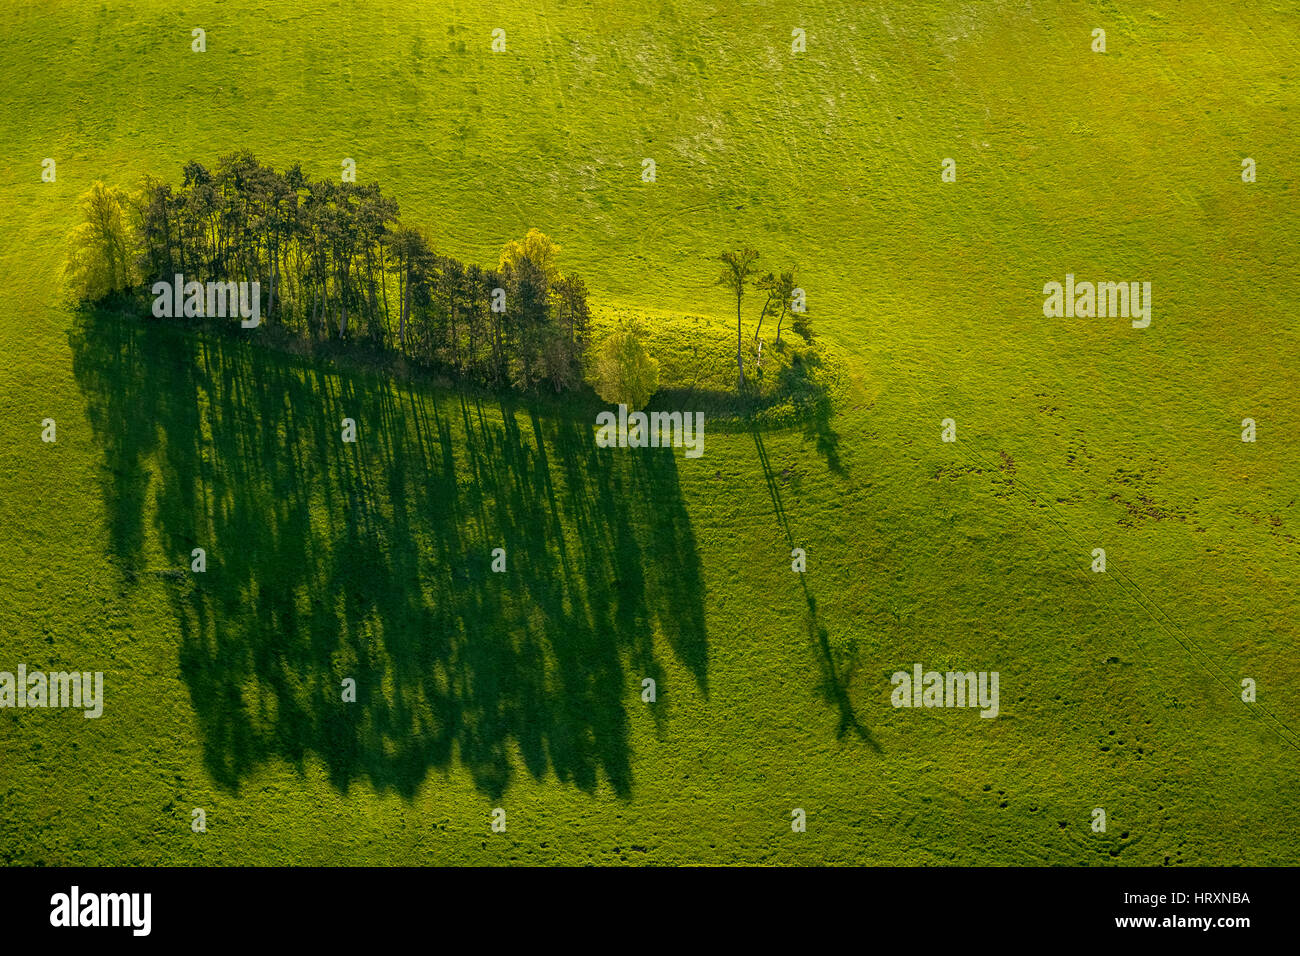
{"type": "Point", "coordinates": [523, 691]}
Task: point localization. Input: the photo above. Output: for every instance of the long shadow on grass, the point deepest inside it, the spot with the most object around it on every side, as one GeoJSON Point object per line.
{"type": "Point", "coordinates": [834, 687]}
{"type": "Point", "coordinates": [799, 397]}
{"type": "Point", "coordinates": [371, 561]}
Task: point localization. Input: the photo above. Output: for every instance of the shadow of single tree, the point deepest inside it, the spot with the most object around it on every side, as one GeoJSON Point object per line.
{"type": "Point", "coordinates": [797, 394]}
{"type": "Point", "coordinates": [834, 686]}
{"type": "Point", "coordinates": [372, 561]}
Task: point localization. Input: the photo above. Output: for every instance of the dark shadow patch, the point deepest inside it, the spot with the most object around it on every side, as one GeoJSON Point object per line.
{"type": "Point", "coordinates": [372, 561]}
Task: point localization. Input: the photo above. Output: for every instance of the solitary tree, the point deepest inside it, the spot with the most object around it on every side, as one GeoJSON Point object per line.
{"type": "Point", "coordinates": [625, 372]}
{"type": "Point", "coordinates": [737, 267]}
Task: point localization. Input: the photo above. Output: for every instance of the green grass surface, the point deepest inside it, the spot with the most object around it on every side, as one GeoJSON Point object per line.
{"type": "Point", "coordinates": [523, 690]}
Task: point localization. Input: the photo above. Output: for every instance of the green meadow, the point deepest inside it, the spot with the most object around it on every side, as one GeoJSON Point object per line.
{"type": "Point", "coordinates": [523, 691]}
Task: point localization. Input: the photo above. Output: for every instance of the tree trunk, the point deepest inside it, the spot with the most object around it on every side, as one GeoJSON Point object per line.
{"type": "Point", "coordinates": [740, 361]}
{"type": "Point", "coordinates": [406, 304]}
{"type": "Point", "coordinates": [761, 316]}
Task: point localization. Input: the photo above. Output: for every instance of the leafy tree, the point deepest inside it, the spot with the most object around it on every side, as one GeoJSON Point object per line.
{"type": "Point", "coordinates": [557, 360]}
{"type": "Point", "coordinates": [625, 373]}
{"type": "Point", "coordinates": [537, 249]}
{"type": "Point", "coordinates": [413, 252]}
{"type": "Point", "coordinates": [151, 208]}
{"type": "Point", "coordinates": [528, 313]}
{"type": "Point", "coordinates": [737, 267]}
{"type": "Point", "coordinates": [799, 320]}
{"type": "Point", "coordinates": [100, 260]}
{"type": "Point", "coordinates": [783, 289]}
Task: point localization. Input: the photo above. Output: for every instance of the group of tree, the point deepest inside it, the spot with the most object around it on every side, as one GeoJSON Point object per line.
{"type": "Point", "coordinates": [333, 260]}
{"type": "Point", "coordinates": [782, 298]}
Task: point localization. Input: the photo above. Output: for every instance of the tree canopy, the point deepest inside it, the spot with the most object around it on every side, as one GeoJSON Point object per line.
{"type": "Point", "coordinates": [333, 259]}
{"type": "Point", "coordinates": [626, 374]}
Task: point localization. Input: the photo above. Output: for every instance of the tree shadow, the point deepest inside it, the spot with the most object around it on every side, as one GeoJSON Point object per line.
{"type": "Point", "coordinates": [371, 561]}
{"type": "Point", "coordinates": [797, 395]}
{"type": "Point", "coordinates": [834, 687]}
{"type": "Point", "coordinates": [817, 427]}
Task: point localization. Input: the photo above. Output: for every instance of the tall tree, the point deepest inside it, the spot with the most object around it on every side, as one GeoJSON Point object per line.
{"type": "Point", "coordinates": [768, 284]}
{"type": "Point", "coordinates": [737, 267]}
{"type": "Point", "coordinates": [784, 290]}
{"type": "Point", "coordinates": [100, 260]}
